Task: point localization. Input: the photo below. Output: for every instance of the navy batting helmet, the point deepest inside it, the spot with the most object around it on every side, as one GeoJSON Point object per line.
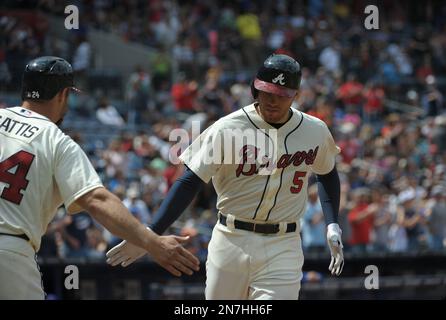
{"type": "Point", "coordinates": [45, 76]}
{"type": "Point", "coordinates": [280, 75]}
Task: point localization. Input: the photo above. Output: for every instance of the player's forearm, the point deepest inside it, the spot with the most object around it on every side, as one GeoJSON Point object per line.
{"type": "Point", "coordinates": [177, 200]}
{"type": "Point", "coordinates": [329, 189]}
{"type": "Point", "coordinates": [109, 211]}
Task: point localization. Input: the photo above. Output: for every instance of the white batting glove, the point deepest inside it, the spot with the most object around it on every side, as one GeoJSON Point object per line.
{"type": "Point", "coordinates": [124, 254]}
{"type": "Point", "coordinates": [335, 244]}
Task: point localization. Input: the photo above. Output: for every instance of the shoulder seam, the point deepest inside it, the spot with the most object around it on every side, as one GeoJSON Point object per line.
{"type": "Point", "coordinates": [21, 115]}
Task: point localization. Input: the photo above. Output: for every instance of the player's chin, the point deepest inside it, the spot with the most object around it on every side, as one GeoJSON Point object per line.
{"type": "Point", "coordinates": [273, 116]}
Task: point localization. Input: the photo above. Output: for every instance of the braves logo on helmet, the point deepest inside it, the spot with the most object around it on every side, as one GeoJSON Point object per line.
{"type": "Point", "coordinates": [280, 78]}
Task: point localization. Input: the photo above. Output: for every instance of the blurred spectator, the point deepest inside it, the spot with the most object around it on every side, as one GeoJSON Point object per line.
{"type": "Point", "coordinates": [115, 158]}
{"type": "Point", "coordinates": [161, 68]}
{"type": "Point", "coordinates": [108, 115]}
{"type": "Point", "coordinates": [361, 218]}
{"type": "Point", "coordinates": [311, 276]}
{"type": "Point", "coordinates": [5, 75]}
{"type": "Point", "coordinates": [323, 111]}
{"type": "Point", "coordinates": [138, 91]}
{"type": "Point", "coordinates": [184, 54]}
{"type": "Point", "coordinates": [96, 244]}
{"type": "Point", "coordinates": [411, 219]}
{"type": "Point", "coordinates": [432, 99]}
{"type": "Point", "coordinates": [344, 208]}
{"type": "Point", "coordinates": [382, 219]}
{"type": "Point", "coordinates": [241, 93]}
{"type": "Point", "coordinates": [212, 98]}
{"type": "Point", "coordinates": [436, 218]}
{"type": "Point", "coordinates": [330, 58]}
{"type": "Point", "coordinates": [374, 102]}
{"type": "Point", "coordinates": [313, 224]}
{"type": "Point", "coordinates": [74, 234]}
{"type": "Point", "coordinates": [205, 226]}
{"type": "Point", "coordinates": [349, 143]}
{"type": "Point", "coordinates": [350, 94]}
{"type": "Point", "coordinates": [136, 206]}
{"type": "Point", "coordinates": [400, 58]}
{"type": "Point", "coordinates": [249, 28]}
{"type": "Point", "coordinates": [81, 60]}
{"type": "Point", "coordinates": [439, 134]}
{"type": "Point", "coordinates": [184, 94]}
{"type": "Point", "coordinates": [397, 235]}
{"type": "Point", "coordinates": [389, 73]}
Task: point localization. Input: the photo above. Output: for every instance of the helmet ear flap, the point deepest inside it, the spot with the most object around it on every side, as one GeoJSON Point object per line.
{"type": "Point", "coordinates": [254, 91]}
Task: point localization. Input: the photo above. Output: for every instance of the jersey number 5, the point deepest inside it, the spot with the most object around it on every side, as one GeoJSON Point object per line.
{"type": "Point", "coordinates": [298, 182]}
{"type": "Point", "coordinates": [17, 181]}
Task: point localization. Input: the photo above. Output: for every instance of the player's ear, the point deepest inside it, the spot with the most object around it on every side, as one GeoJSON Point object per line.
{"type": "Point", "coordinates": [66, 92]}
{"type": "Point", "coordinates": [62, 95]}
{"type": "Point", "coordinates": [296, 97]}
{"type": "Point", "coordinates": [59, 96]}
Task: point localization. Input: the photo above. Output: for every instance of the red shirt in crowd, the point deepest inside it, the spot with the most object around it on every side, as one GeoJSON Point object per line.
{"type": "Point", "coordinates": [374, 100]}
{"type": "Point", "coordinates": [349, 150]}
{"type": "Point", "coordinates": [171, 174]}
{"type": "Point", "coordinates": [183, 95]}
{"type": "Point", "coordinates": [360, 229]}
{"type": "Point", "coordinates": [351, 92]}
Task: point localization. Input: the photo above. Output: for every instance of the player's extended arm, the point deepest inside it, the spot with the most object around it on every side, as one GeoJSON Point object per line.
{"type": "Point", "coordinates": [329, 189]}
{"type": "Point", "coordinates": [177, 200]}
{"type": "Point", "coordinates": [167, 251]}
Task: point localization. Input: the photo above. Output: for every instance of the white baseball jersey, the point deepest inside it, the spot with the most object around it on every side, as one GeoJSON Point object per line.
{"type": "Point", "coordinates": [301, 145]}
{"type": "Point", "coordinates": [41, 168]}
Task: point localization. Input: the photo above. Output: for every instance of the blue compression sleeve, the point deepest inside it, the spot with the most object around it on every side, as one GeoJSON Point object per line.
{"type": "Point", "coordinates": [178, 198]}
{"type": "Point", "coordinates": [329, 189]}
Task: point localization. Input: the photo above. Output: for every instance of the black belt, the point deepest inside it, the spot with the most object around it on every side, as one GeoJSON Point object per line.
{"type": "Point", "coordinates": [21, 236]}
{"type": "Point", "coordinates": [265, 228]}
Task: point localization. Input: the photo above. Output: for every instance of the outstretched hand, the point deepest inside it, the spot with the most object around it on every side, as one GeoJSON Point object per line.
{"type": "Point", "coordinates": [124, 254]}
{"type": "Point", "coordinates": [169, 253]}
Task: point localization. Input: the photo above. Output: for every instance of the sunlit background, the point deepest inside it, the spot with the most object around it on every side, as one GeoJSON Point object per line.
{"type": "Point", "coordinates": [149, 66]}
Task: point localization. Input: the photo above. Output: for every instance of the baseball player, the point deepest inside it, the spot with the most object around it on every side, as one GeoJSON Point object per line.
{"type": "Point", "coordinates": [40, 169]}
{"type": "Point", "coordinates": [255, 250]}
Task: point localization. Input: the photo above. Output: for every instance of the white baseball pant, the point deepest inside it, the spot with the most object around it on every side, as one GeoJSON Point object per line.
{"type": "Point", "coordinates": [246, 265]}
{"type": "Point", "coordinates": [20, 278]}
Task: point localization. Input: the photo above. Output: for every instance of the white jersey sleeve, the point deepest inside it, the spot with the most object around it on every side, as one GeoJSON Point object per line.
{"type": "Point", "coordinates": [205, 155]}
{"type": "Point", "coordinates": [326, 155]}
{"type": "Point", "coordinates": [74, 174]}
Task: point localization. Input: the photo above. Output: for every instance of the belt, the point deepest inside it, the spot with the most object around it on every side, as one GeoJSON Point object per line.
{"type": "Point", "coordinates": [21, 236]}
{"type": "Point", "coordinates": [265, 228]}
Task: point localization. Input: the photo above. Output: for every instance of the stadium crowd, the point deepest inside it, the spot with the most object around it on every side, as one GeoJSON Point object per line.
{"type": "Point", "coordinates": [379, 91]}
